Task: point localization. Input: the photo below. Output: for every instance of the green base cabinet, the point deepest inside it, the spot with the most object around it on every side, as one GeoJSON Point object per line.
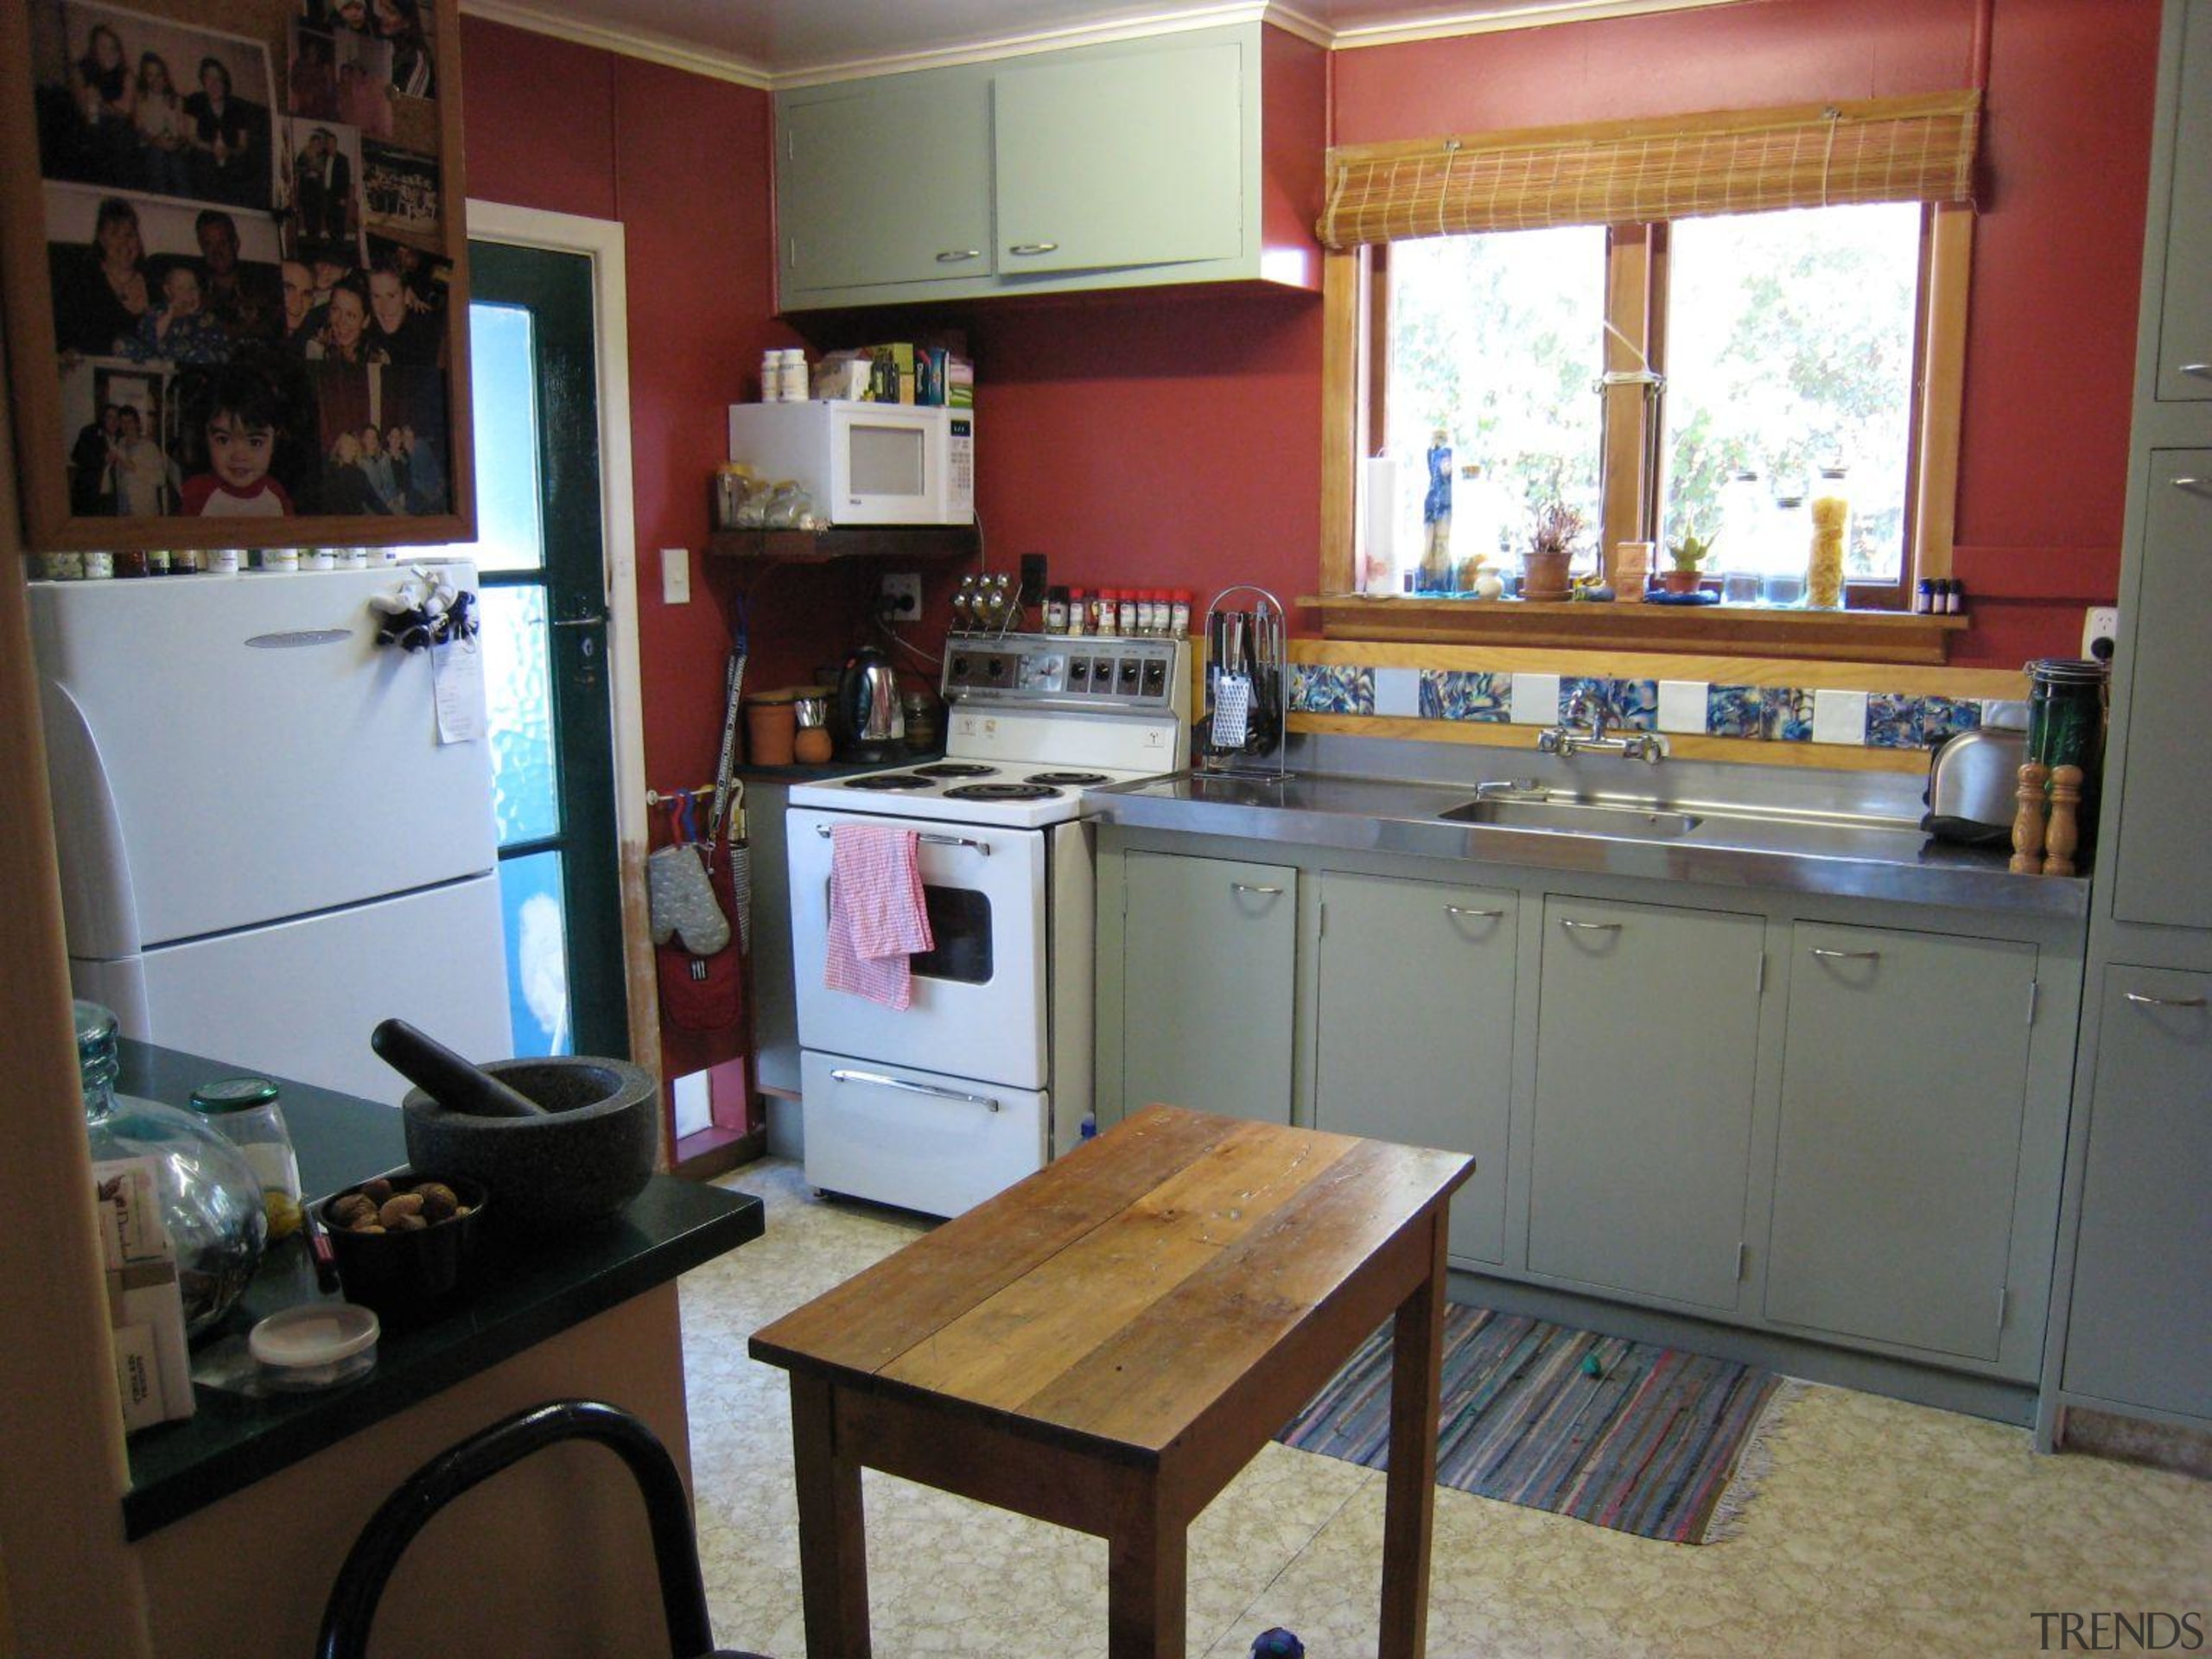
{"type": "Point", "coordinates": [1903, 1085]}
{"type": "Point", "coordinates": [2141, 1327]}
{"type": "Point", "coordinates": [1415, 1030]}
{"type": "Point", "coordinates": [1647, 1053]}
{"type": "Point", "coordinates": [1209, 947]}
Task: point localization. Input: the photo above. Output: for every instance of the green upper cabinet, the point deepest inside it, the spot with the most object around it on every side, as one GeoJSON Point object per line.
{"type": "Point", "coordinates": [1123, 165]}
{"type": "Point", "coordinates": [2185, 327]}
{"type": "Point", "coordinates": [891, 170]}
{"type": "Point", "coordinates": [1120, 161]}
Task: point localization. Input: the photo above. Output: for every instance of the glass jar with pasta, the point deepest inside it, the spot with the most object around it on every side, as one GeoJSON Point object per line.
{"type": "Point", "coordinates": [1831, 517]}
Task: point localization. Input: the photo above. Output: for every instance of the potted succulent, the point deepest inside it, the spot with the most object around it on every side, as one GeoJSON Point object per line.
{"type": "Point", "coordinates": [1551, 549]}
{"type": "Point", "coordinates": [1688, 554]}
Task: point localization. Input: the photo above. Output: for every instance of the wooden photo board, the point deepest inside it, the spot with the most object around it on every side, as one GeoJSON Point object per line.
{"type": "Point", "coordinates": [235, 273]}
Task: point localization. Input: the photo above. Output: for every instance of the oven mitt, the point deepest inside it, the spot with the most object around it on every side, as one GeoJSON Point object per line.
{"type": "Point", "coordinates": [681, 901]}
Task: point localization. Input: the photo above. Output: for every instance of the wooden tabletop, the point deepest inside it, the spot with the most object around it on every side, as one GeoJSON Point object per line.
{"type": "Point", "coordinates": [1113, 1299]}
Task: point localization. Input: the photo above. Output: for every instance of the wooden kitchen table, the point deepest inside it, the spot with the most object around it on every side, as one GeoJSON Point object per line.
{"type": "Point", "coordinates": [1106, 1343]}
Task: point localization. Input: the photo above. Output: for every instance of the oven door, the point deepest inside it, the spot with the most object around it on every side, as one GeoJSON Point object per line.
{"type": "Point", "coordinates": [979, 998]}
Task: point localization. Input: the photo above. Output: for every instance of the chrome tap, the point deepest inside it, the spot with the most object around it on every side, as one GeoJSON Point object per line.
{"type": "Point", "coordinates": [1583, 732]}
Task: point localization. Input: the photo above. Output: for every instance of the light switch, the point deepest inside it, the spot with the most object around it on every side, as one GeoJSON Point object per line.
{"type": "Point", "coordinates": [675, 575]}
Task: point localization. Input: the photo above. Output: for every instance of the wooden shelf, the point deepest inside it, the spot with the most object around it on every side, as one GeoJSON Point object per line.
{"type": "Point", "coordinates": [1846, 636]}
{"type": "Point", "coordinates": [853, 542]}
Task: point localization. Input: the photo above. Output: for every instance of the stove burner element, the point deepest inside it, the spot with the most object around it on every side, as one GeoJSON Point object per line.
{"type": "Point", "coordinates": [1001, 793]}
{"type": "Point", "coordinates": [1069, 779]}
{"type": "Point", "coordinates": [955, 769]}
{"type": "Point", "coordinates": [888, 780]}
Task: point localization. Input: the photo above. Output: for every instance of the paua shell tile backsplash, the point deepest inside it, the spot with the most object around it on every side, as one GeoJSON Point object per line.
{"type": "Point", "coordinates": [1770, 713]}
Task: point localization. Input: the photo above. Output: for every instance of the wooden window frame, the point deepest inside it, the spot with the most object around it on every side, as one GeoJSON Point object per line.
{"type": "Point", "coordinates": [1354, 380]}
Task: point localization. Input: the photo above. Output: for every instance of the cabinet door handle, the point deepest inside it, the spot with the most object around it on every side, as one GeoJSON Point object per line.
{"type": "Point", "coordinates": [1026, 248]}
{"type": "Point", "coordinates": [2204, 369]}
{"type": "Point", "coordinates": [2143, 1001]}
{"type": "Point", "coordinates": [1246, 887]}
{"type": "Point", "coordinates": [1479, 915]}
{"type": "Point", "coordinates": [1590, 927]}
{"type": "Point", "coordinates": [954, 256]}
{"type": "Point", "coordinates": [1846, 956]}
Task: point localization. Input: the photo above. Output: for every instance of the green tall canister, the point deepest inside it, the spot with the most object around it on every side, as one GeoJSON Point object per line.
{"type": "Point", "coordinates": [2066, 723]}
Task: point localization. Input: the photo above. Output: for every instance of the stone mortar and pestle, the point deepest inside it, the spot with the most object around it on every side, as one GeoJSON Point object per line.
{"type": "Point", "coordinates": [559, 1141]}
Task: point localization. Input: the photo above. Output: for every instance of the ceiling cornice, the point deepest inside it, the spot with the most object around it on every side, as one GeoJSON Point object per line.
{"type": "Point", "coordinates": [655, 47]}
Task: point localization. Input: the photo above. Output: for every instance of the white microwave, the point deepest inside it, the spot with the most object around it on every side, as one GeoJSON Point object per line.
{"type": "Point", "coordinates": [865, 463]}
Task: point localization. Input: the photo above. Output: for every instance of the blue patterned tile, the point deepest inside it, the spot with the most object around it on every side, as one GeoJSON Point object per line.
{"type": "Point", "coordinates": [1630, 704]}
{"type": "Point", "coordinates": [1786, 712]}
{"type": "Point", "coordinates": [1892, 721]}
{"type": "Point", "coordinates": [1939, 718]}
{"type": "Point", "coordinates": [1330, 689]}
{"type": "Point", "coordinates": [1451, 694]}
{"type": "Point", "coordinates": [1734, 711]}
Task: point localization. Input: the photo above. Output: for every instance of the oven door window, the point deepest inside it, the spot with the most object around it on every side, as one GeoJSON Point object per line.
{"type": "Point", "coordinates": [960, 922]}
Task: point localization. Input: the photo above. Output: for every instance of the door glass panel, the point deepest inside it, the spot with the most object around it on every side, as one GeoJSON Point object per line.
{"type": "Point", "coordinates": [887, 460]}
{"type": "Point", "coordinates": [538, 955]}
{"type": "Point", "coordinates": [960, 922]}
{"type": "Point", "coordinates": [518, 697]}
{"type": "Point", "coordinates": [503, 377]}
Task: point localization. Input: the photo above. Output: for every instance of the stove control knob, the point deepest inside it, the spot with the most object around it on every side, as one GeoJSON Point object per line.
{"type": "Point", "coordinates": [962, 668]}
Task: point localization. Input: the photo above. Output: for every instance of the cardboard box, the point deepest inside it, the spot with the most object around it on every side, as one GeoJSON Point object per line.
{"type": "Point", "coordinates": [153, 1367]}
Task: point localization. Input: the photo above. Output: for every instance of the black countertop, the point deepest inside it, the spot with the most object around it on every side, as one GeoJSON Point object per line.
{"type": "Point", "coordinates": [527, 1292]}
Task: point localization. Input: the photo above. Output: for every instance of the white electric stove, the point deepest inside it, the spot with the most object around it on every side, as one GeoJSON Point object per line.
{"type": "Point", "coordinates": [986, 1077]}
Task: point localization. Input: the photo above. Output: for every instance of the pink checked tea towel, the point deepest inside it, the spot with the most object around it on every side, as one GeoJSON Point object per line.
{"type": "Point", "coordinates": [877, 918]}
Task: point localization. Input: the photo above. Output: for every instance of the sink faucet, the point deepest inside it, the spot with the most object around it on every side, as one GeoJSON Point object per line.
{"type": "Point", "coordinates": [1583, 732]}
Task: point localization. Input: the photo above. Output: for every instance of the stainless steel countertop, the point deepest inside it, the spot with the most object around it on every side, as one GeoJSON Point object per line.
{"type": "Point", "coordinates": [1734, 843]}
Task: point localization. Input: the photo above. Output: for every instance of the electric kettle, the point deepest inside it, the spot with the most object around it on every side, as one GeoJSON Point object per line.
{"type": "Point", "coordinates": [866, 721]}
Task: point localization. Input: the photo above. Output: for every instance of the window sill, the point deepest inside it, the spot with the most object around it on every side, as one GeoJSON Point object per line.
{"type": "Point", "coordinates": [1839, 636]}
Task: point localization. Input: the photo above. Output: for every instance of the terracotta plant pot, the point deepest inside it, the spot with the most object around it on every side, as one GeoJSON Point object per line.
{"type": "Point", "coordinates": [1544, 578]}
{"type": "Point", "coordinates": [1678, 582]}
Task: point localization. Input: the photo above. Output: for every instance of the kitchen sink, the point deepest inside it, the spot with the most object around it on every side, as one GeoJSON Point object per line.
{"type": "Point", "coordinates": [1602, 817]}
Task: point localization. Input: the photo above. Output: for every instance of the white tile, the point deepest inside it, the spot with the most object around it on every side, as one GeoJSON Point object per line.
{"type": "Point", "coordinates": [1397, 691]}
{"type": "Point", "coordinates": [2013, 717]}
{"type": "Point", "coordinates": [1840, 717]}
{"type": "Point", "coordinates": [1535, 699]}
{"type": "Point", "coordinates": [1681, 705]}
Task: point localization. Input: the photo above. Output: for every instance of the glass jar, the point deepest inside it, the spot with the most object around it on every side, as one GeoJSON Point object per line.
{"type": "Point", "coordinates": [1790, 533]}
{"type": "Point", "coordinates": [245, 1112]}
{"type": "Point", "coordinates": [211, 1199]}
{"type": "Point", "coordinates": [1831, 515]}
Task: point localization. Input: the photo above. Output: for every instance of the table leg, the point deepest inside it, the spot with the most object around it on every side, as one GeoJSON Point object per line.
{"type": "Point", "coordinates": [1409, 1501]}
{"type": "Point", "coordinates": [1147, 1576]}
{"type": "Point", "coordinates": [832, 1541]}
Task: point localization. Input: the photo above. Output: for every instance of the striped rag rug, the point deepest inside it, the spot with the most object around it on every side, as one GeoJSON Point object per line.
{"type": "Point", "coordinates": [1649, 1440]}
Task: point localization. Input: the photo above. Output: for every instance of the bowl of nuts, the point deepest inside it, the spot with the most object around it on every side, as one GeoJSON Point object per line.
{"type": "Point", "coordinates": [403, 1241]}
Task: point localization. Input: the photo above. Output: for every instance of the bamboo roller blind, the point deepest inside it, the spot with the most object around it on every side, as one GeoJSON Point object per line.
{"type": "Point", "coordinates": [1633, 172]}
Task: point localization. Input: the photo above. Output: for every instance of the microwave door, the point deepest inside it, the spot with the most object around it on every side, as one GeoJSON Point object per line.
{"type": "Point", "coordinates": [887, 461]}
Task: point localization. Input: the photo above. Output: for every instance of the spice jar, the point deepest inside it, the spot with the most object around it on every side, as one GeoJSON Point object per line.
{"type": "Point", "coordinates": [245, 1110]}
{"type": "Point", "coordinates": [1831, 515]}
{"type": "Point", "coordinates": [919, 711]}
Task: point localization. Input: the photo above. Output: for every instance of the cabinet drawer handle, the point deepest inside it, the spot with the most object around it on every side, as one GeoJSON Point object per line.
{"type": "Point", "coordinates": [2141, 1001]}
{"type": "Point", "coordinates": [2188, 483]}
{"type": "Point", "coordinates": [2202, 370]}
{"type": "Point", "coordinates": [954, 256]}
{"type": "Point", "coordinates": [1246, 887]}
{"type": "Point", "coordinates": [1846, 956]}
{"type": "Point", "coordinates": [1590, 927]}
{"type": "Point", "coordinates": [1479, 915]}
{"type": "Point", "coordinates": [1026, 248]}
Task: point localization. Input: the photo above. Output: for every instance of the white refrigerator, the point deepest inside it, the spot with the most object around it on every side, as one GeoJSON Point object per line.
{"type": "Point", "coordinates": [266, 847]}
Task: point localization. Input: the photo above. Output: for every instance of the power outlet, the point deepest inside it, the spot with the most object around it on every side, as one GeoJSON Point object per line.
{"type": "Point", "coordinates": [901, 597]}
{"type": "Point", "coordinates": [2101, 631]}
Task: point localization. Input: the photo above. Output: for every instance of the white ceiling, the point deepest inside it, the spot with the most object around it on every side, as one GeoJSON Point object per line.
{"type": "Point", "coordinates": [792, 42]}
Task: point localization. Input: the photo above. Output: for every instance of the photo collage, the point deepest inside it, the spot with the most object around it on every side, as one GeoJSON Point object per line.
{"type": "Point", "coordinates": [249, 306]}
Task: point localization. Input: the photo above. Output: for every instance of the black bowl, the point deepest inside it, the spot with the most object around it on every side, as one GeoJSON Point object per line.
{"type": "Point", "coordinates": [413, 1275]}
{"type": "Point", "coordinates": [590, 1153]}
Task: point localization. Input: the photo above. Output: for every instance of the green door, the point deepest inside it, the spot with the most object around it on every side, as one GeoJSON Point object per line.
{"type": "Point", "coordinates": [535, 377]}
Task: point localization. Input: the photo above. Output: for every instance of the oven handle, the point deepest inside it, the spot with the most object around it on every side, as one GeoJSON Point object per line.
{"type": "Point", "coordinates": [842, 1075]}
{"type": "Point", "coordinates": [822, 831]}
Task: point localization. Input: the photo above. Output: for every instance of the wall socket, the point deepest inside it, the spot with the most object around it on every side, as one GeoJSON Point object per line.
{"type": "Point", "coordinates": [901, 597]}
{"type": "Point", "coordinates": [2101, 631]}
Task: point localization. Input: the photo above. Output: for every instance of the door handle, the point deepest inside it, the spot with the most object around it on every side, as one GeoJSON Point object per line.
{"type": "Point", "coordinates": [1846, 956]}
{"type": "Point", "coordinates": [2143, 1001]}
{"type": "Point", "coordinates": [954, 256]}
{"type": "Point", "coordinates": [928, 840]}
{"type": "Point", "coordinates": [878, 1080]}
{"type": "Point", "coordinates": [1478, 915]}
{"type": "Point", "coordinates": [2202, 370]}
{"type": "Point", "coordinates": [579, 621]}
{"type": "Point", "coordinates": [1246, 887]}
{"type": "Point", "coordinates": [1028, 248]}
{"type": "Point", "coordinates": [2194, 486]}
{"type": "Point", "coordinates": [1590, 927]}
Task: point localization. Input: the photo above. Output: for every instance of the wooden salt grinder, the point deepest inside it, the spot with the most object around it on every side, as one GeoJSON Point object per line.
{"type": "Point", "coordinates": [2065, 832]}
{"type": "Point", "coordinates": [2027, 825]}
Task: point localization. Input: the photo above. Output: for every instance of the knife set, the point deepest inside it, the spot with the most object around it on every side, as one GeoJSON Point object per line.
{"type": "Point", "coordinates": [1243, 718]}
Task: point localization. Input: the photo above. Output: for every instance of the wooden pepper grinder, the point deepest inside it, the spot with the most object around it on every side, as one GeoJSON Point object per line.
{"type": "Point", "coordinates": [2064, 833]}
{"type": "Point", "coordinates": [2027, 824]}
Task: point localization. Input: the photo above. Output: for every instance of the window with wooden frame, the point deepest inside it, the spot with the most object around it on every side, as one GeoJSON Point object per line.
{"type": "Point", "coordinates": [1632, 319]}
